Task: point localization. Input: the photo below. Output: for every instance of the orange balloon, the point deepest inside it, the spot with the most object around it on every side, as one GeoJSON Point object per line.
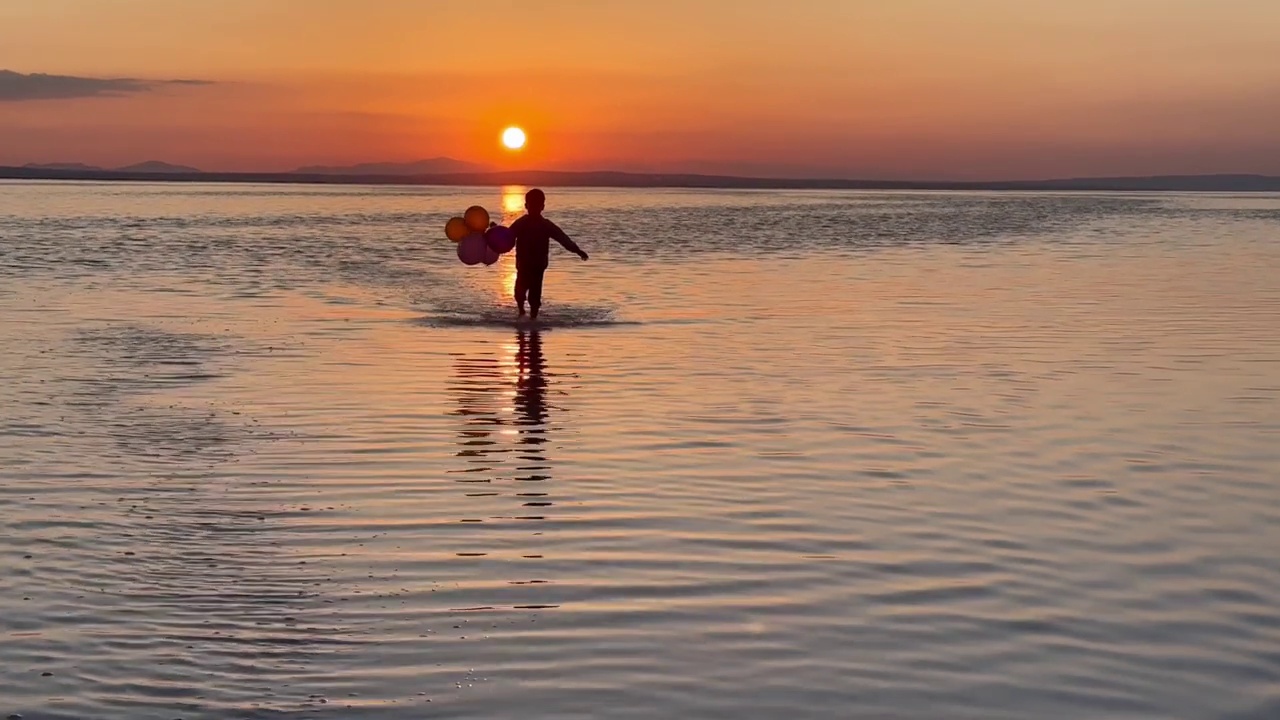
{"type": "Point", "coordinates": [456, 229]}
{"type": "Point", "coordinates": [477, 218]}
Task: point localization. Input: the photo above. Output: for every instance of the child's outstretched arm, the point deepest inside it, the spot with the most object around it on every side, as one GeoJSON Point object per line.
{"type": "Point", "coordinates": [568, 244]}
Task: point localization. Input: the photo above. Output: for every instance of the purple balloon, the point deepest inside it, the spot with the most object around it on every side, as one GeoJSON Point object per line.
{"type": "Point", "coordinates": [490, 257]}
{"type": "Point", "coordinates": [471, 249]}
{"type": "Point", "coordinates": [500, 238]}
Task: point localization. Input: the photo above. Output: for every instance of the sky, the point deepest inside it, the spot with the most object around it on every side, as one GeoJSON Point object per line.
{"type": "Point", "coordinates": [908, 89]}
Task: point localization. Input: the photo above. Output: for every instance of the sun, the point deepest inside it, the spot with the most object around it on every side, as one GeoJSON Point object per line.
{"type": "Point", "coordinates": [513, 138]}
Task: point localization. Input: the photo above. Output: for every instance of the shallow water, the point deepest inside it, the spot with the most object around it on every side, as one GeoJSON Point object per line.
{"type": "Point", "coordinates": [271, 451]}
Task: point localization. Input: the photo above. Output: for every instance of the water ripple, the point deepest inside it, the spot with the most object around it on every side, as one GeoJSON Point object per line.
{"type": "Point", "coordinates": [271, 451]}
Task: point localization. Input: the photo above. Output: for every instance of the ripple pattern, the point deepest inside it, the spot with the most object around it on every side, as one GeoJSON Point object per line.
{"type": "Point", "coordinates": [270, 452]}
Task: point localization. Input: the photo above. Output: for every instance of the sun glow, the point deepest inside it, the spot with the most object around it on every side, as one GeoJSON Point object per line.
{"type": "Point", "coordinates": [513, 138]}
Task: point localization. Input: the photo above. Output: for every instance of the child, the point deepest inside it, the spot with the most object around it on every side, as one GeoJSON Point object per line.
{"type": "Point", "coordinates": [533, 245]}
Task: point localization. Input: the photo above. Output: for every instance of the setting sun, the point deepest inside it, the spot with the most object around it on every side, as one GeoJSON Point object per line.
{"type": "Point", "coordinates": [513, 138]}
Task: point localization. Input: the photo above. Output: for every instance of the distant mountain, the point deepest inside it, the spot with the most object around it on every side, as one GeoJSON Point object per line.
{"type": "Point", "coordinates": [155, 166]}
{"type": "Point", "coordinates": [63, 166]}
{"type": "Point", "coordinates": [432, 166]}
{"type": "Point", "coordinates": [149, 172]}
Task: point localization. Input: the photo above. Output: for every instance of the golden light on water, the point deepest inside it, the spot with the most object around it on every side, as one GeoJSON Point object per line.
{"type": "Point", "coordinates": [512, 201]}
{"type": "Point", "coordinates": [508, 265]}
{"type": "Point", "coordinates": [512, 208]}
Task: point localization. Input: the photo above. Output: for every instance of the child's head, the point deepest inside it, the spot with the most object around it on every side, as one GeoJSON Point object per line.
{"type": "Point", "coordinates": [534, 201]}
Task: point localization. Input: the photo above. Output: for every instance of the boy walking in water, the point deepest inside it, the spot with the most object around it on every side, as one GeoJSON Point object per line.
{"type": "Point", "coordinates": [533, 245]}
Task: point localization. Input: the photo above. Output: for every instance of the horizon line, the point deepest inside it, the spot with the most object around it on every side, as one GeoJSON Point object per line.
{"type": "Point", "coordinates": [626, 178]}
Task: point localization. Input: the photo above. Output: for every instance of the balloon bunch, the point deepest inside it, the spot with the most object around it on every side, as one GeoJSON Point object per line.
{"type": "Point", "coordinates": [479, 241]}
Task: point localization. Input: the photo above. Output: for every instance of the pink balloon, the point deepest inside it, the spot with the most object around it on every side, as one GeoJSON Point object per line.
{"type": "Point", "coordinates": [490, 257]}
{"type": "Point", "coordinates": [500, 238]}
{"type": "Point", "coordinates": [471, 249]}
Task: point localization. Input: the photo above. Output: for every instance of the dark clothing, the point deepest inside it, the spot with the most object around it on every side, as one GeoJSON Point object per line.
{"type": "Point", "coordinates": [534, 234]}
{"type": "Point", "coordinates": [533, 241]}
{"type": "Point", "coordinates": [529, 285]}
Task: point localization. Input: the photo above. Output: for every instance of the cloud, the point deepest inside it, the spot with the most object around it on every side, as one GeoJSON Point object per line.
{"type": "Point", "coordinates": [17, 87]}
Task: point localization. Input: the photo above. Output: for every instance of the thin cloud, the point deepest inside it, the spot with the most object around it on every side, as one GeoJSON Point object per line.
{"type": "Point", "coordinates": [19, 87]}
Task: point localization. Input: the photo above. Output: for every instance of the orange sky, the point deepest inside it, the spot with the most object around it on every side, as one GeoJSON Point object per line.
{"type": "Point", "coordinates": [849, 88]}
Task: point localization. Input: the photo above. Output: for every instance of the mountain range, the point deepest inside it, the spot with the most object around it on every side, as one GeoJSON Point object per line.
{"type": "Point", "coordinates": [150, 166]}
{"type": "Point", "coordinates": [448, 171]}
{"type": "Point", "coordinates": [431, 166]}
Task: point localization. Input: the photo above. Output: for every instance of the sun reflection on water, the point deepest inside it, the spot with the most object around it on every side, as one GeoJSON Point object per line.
{"type": "Point", "coordinates": [507, 264]}
{"type": "Point", "coordinates": [512, 208]}
{"type": "Point", "coordinates": [512, 202]}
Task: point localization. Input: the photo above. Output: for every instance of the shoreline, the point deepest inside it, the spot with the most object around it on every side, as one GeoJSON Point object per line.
{"type": "Point", "coordinates": [604, 179]}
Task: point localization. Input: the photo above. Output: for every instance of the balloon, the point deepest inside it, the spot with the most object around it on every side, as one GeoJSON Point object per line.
{"type": "Point", "coordinates": [471, 249]}
{"type": "Point", "coordinates": [490, 257]}
{"type": "Point", "coordinates": [500, 238]}
{"type": "Point", "coordinates": [455, 229]}
{"type": "Point", "coordinates": [477, 218]}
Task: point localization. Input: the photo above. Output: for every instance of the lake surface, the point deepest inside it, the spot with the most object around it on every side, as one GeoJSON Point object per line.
{"type": "Point", "coordinates": [272, 451]}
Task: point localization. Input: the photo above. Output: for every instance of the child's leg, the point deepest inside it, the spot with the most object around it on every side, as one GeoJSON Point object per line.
{"type": "Point", "coordinates": [535, 292]}
{"type": "Point", "coordinates": [522, 289]}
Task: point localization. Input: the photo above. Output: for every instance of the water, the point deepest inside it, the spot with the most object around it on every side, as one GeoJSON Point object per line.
{"type": "Point", "coordinates": [272, 451]}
